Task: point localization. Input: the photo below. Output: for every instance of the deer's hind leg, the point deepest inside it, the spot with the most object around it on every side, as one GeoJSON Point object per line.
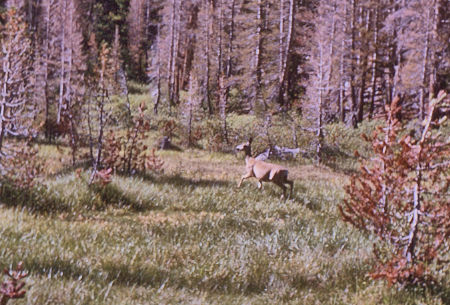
{"type": "Point", "coordinates": [282, 186]}
{"type": "Point", "coordinates": [260, 184]}
{"type": "Point", "coordinates": [291, 184]}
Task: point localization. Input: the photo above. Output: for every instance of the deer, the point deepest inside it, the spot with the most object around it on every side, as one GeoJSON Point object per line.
{"type": "Point", "coordinates": [264, 171]}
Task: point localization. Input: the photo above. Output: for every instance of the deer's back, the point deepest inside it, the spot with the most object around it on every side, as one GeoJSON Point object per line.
{"type": "Point", "coordinates": [266, 171]}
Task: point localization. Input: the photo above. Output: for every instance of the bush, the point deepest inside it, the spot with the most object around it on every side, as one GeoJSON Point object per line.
{"type": "Point", "coordinates": [401, 197]}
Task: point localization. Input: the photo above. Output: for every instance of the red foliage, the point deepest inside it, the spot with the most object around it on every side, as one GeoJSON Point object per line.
{"type": "Point", "coordinates": [23, 166]}
{"type": "Point", "coordinates": [128, 152]}
{"type": "Point", "coordinates": [103, 177]}
{"type": "Point", "coordinates": [153, 162]}
{"type": "Point", "coordinates": [12, 288]}
{"type": "Point", "coordinates": [401, 196]}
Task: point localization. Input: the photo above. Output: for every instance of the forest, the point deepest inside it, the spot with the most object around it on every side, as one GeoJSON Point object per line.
{"type": "Point", "coordinates": [122, 126]}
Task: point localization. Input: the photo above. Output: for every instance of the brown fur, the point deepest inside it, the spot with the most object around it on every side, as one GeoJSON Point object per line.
{"type": "Point", "coordinates": [264, 171]}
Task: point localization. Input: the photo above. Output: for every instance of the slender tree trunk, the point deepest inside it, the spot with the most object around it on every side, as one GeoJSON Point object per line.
{"type": "Point", "coordinates": [257, 98]}
{"type": "Point", "coordinates": [284, 54]}
{"type": "Point", "coordinates": [220, 57]}
{"type": "Point", "coordinates": [69, 108]}
{"type": "Point", "coordinates": [434, 57]}
{"type": "Point", "coordinates": [331, 52]}
{"type": "Point", "coordinates": [63, 60]}
{"type": "Point", "coordinates": [424, 67]}
{"type": "Point", "coordinates": [374, 64]}
{"type": "Point", "coordinates": [7, 69]}
{"type": "Point", "coordinates": [89, 122]}
{"type": "Point", "coordinates": [189, 46]}
{"type": "Point", "coordinates": [363, 67]}
{"type": "Point", "coordinates": [116, 56]}
{"type": "Point", "coordinates": [46, 57]}
{"type": "Point", "coordinates": [171, 63]}
{"type": "Point", "coordinates": [101, 119]}
{"type": "Point", "coordinates": [230, 41]}
{"type": "Point", "coordinates": [353, 63]}
{"type": "Point", "coordinates": [319, 131]}
{"type": "Point", "coordinates": [209, 4]}
{"type": "Point", "coordinates": [175, 66]}
{"type": "Point", "coordinates": [158, 71]}
{"type": "Point", "coordinates": [223, 106]}
{"type": "Point", "coordinates": [341, 68]}
{"type": "Point", "coordinates": [281, 39]}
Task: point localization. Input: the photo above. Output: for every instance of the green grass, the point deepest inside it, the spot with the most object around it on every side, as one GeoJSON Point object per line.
{"type": "Point", "coordinates": [189, 236]}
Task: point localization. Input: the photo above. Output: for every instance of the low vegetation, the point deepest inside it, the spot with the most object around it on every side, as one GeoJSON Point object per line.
{"type": "Point", "coordinates": [188, 235]}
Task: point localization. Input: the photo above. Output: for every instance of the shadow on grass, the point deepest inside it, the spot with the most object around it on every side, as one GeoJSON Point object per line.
{"type": "Point", "coordinates": [178, 180]}
{"type": "Point", "coordinates": [156, 276]}
{"type": "Point", "coordinates": [338, 160]}
{"type": "Point", "coordinates": [83, 164]}
{"type": "Point", "coordinates": [112, 195]}
{"type": "Point", "coordinates": [37, 199]}
{"type": "Point", "coordinates": [302, 197]}
{"type": "Point", "coordinates": [43, 200]}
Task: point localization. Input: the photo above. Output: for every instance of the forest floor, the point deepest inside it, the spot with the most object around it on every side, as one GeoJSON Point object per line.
{"type": "Point", "coordinates": [188, 235]}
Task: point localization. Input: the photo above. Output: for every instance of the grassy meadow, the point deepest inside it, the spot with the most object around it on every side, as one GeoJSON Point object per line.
{"type": "Point", "coordinates": [187, 235]}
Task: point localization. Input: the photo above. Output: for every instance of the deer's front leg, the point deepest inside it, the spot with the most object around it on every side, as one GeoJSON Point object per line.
{"type": "Point", "coordinates": [246, 176]}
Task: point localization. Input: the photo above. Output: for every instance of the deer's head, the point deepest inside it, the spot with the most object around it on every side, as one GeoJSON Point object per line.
{"type": "Point", "coordinates": [246, 147]}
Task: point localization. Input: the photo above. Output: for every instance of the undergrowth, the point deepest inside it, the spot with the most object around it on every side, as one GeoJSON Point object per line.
{"type": "Point", "coordinates": [189, 236]}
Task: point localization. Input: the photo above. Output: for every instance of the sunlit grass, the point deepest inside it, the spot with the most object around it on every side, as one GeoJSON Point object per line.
{"type": "Point", "coordinates": [188, 235]}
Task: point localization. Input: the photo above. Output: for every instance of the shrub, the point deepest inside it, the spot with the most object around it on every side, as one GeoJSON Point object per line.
{"type": "Point", "coordinates": [401, 197]}
{"type": "Point", "coordinates": [13, 287]}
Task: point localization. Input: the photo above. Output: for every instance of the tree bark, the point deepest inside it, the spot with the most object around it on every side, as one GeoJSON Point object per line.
{"type": "Point", "coordinates": [63, 61]}
{"type": "Point", "coordinates": [257, 98]}
{"type": "Point", "coordinates": [209, 5]}
{"type": "Point", "coordinates": [341, 68]}
{"type": "Point", "coordinates": [171, 64]}
{"type": "Point", "coordinates": [284, 54]}
{"type": "Point", "coordinates": [424, 67]}
{"type": "Point", "coordinates": [353, 63]}
{"type": "Point", "coordinates": [374, 64]}
{"type": "Point", "coordinates": [158, 72]}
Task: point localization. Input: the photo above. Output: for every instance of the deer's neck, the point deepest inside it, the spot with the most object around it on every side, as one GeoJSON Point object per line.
{"type": "Point", "coordinates": [248, 152]}
{"type": "Point", "coordinates": [249, 161]}
{"type": "Point", "coordinates": [248, 155]}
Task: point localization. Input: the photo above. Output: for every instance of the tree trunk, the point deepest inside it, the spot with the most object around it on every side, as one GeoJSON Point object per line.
{"type": "Point", "coordinates": [424, 67]}
{"type": "Point", "coordinates": [63, 60]}
{"type": "Point", "coordinates": [6, 66]}
{"type": "Point", "coordinates": [46, 57]}
{"type": "Point", "coordinates": [207, 53]}
{"type": "Point", "coordinates": [223, 106]}
{"type": "Point", "coordinates": [69, 88]}
{"type": "Point", "coordinates": [219, 56]}
{"type": "Point", "coordinates": [319, 131]}
{"type": "Point", "coordinates": [284, 54]}
{"type": "Point", "coordinates": [331, 53]}
{"type": "Point", "coordinates": [353, 63]}
{"type": "Point", "coordinates": [363, 68]}
{"type": "Point", "coordinates": [231, 40]}
{"type": "Point", "coordinates": [257, 98]}
{"type": "Point", "coordinates": [374, 65]}
{"type": "Point", "coordinates": [171, 64]}
{"type": "Point", "coordinates": [158, 72]}
{"type": "Point", "coordinates": [341, 68]}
